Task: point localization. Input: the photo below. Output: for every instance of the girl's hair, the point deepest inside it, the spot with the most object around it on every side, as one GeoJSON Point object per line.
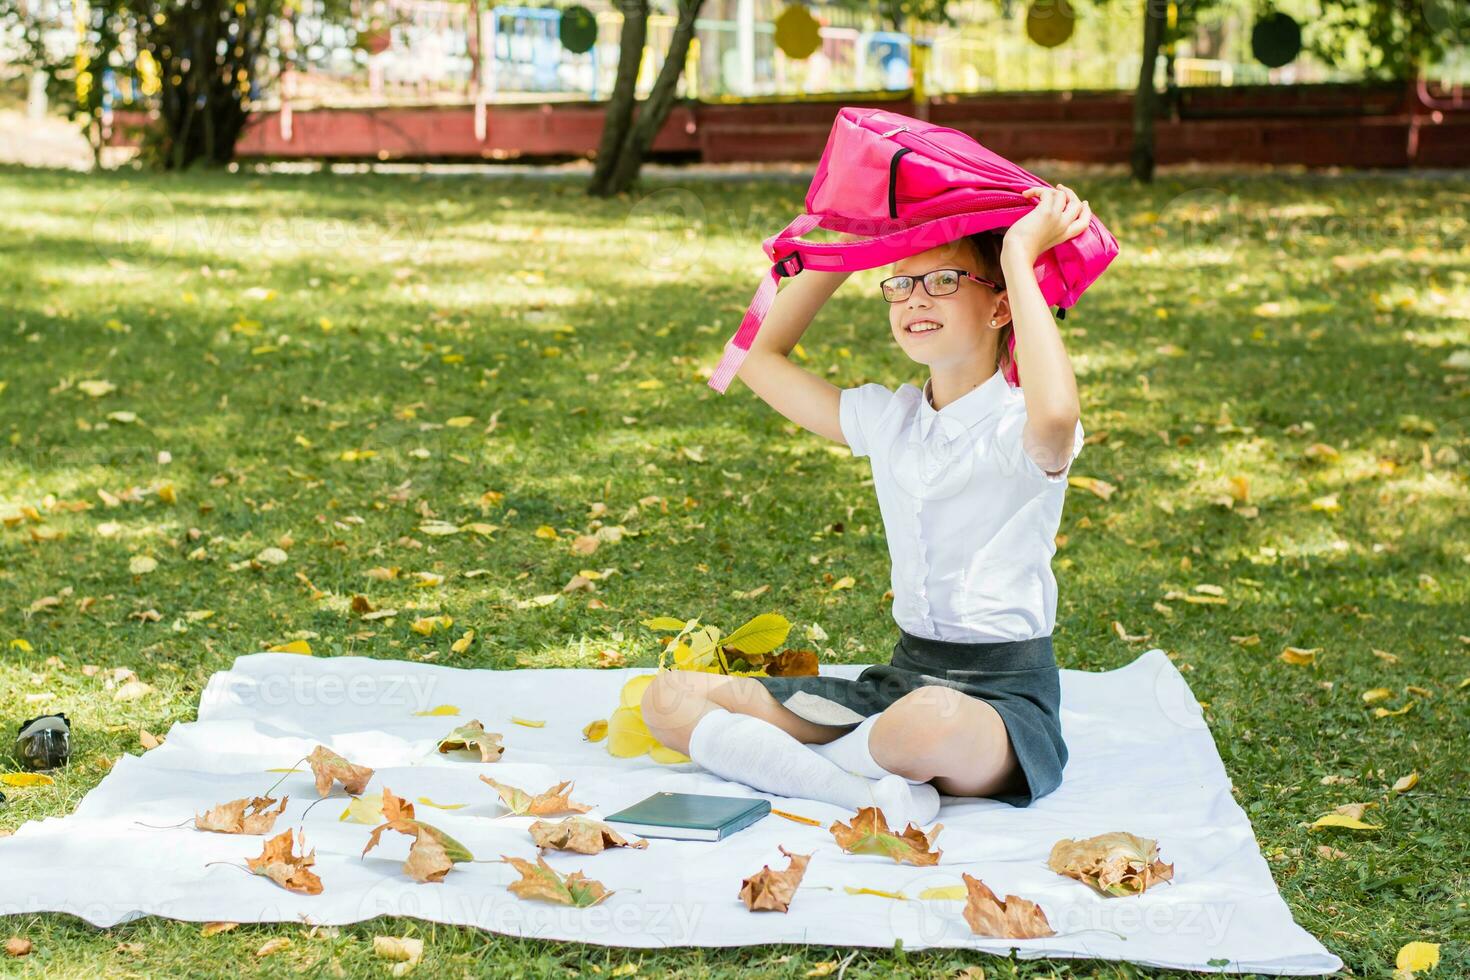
{"type": "Point", "coordinates": [986, 246]}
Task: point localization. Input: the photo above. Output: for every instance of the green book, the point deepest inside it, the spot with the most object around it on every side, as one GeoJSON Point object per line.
{"type": "Point", "coordinates": [689, 816]}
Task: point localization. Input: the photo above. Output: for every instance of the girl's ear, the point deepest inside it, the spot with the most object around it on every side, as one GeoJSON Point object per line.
{"type": "Point", "coordinates": [1002, 312]}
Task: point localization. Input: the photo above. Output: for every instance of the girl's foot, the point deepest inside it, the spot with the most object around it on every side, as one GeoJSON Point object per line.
{"type": "Point", "coordinates": [903, 802]}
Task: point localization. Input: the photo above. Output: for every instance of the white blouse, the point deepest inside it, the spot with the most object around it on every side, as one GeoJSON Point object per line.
{"type": "Point", "coordinates": [971, 519]}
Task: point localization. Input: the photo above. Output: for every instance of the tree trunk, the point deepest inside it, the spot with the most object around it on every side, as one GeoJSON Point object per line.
{"type": "Point", "coordinates": [1145, 99]}
{"type": "Point", "coordinates": [654, 111]}
{"type": "Point", "coordinates": [619, 114]}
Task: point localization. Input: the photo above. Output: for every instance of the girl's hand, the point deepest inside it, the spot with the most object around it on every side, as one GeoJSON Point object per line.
{"type": "Point", "coordinates": [1057, 217]}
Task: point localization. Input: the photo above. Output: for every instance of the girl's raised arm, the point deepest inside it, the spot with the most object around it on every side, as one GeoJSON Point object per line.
{"type": "Point", "coordinates": [803, 397]}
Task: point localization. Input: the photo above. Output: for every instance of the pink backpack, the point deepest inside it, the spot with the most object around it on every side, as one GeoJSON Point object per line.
{"type": "Point", "coordinates": [908, 186]}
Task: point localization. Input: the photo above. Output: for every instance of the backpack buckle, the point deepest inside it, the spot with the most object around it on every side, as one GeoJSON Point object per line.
{"type": "Point", "coordinates": [782, 267]}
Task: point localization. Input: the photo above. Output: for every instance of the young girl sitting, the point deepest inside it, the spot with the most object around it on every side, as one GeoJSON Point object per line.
{"type": "Point", "coordinates": [970, 474]}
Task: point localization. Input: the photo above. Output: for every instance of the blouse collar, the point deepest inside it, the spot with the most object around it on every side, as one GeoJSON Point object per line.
{"type": "Point", "coordinates": [968, 409]}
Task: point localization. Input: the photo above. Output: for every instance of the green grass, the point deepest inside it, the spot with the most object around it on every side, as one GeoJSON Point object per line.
{"type": "Point", "coordinates": [259, 327]}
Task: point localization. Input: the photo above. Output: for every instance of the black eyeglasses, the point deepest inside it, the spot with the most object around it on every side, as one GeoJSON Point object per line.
{"type": "Point", "coordinates": [940, 282]}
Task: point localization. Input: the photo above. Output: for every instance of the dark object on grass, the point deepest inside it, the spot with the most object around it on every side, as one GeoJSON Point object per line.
{"type": "Point", "coordinates": [44, 743]}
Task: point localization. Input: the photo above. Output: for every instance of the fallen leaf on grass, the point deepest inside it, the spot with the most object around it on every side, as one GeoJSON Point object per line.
{"type": "Point", "coordinates": [1092, 484]}
{"type": "Point", "coordinates": [231, 818]}
{"type": "Point", "coordinates": [1127, 637]}
{"type": "Point", "coordinates": [1343, 821]}
{"type": "Point", "coordinates": [1011, 918]}
{"type": "Point", "coordinates": [772, 891]}
{"type": "Point", "coordinates": [555, 800]}
{"type": "Point", "coordinates": [541, 882]}
{"type": "Point", "coordinates": [292, 872]}
{"type": "Point", "coordinates": [403, 950]}
{"type": "Point", "coordinates": [1405, 783]}
{"type": "Point", "coordinates": [18, 946]}
{"type": "Point", "coordinates": [1376, 694]}
{"type": "Point", "coordinates": [295, 646]}
{"type": "Point", "coordinates": [327, 766]}
{"type": "Point", "coordinates": [1300, 657]}
{"type": "Point", "coordinates": [1417, 957]}
{"type": "Point", "coordinates": [868, 833]}
{"type": "Point", "coordinates": [215, 928]}
{"type": "Point", "coordinates": [433, 852]}
{"type": "Point", "coordinates": [272, 946]}
{"type": "Point", "coordinates": [1386, 713]}
{"type": "Point", "coordinates": [26, 779]}
{"type": "Point", "coordinates": [474, 736]}
{"type": "Point", "coordinates": [1114, 864]}
{"type": "Point", "coordinates": [581, 834]}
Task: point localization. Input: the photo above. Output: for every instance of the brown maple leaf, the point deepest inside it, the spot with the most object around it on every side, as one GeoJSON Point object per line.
{"type": "Point", "coordinates": [327, 766]}
{"type": "Point", "coordinates": [433, 852]}
{"type": "Point", "coordinates": [1014, 918]}
{"type": "Point", "coordinates": [772, 891]}
{"type": "Point", "coordinates": [474, 736]}
{"type": "Point", "coordinates": [540, 881]}
{"type": "Point", "coordinates": [792, 663]}
{"type": "Point", "coordinates": [1114, 864]}
{"type": "Point", "coordinates": [581, 834]}
{"type": "Point", "coordinates": [868, 833]}
{"type": "Point", "coordinates": [231, 818]}
{"type": "Point", "coordinates": [292, 872]}
{"type": "Point", "coordinates": [555, 800]}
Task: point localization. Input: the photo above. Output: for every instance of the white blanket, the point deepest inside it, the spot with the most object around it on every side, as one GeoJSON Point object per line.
{"type": "Point", "coordinates": [1142, 760]}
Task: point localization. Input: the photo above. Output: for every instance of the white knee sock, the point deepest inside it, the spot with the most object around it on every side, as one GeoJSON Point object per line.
{"type": "Point", "coordinates": [748, 750]}
{"type": "Point", "coordinates": [852, 753]}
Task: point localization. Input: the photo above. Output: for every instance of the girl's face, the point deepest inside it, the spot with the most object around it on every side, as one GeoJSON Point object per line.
{"type": "Point", "coordinates": [947, 329]}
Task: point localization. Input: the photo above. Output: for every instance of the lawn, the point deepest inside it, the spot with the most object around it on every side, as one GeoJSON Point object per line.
{"type": "Point", "coordinates": [196, 370]}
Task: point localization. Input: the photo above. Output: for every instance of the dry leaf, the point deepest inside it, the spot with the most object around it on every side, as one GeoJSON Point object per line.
{"type": "Point", "coordinates": [273, 946]}
{"type": "Point", "coordinates": [292, 872]}
{"type": "Point", "coordinates": [215, 928]}
{"type": "Point", "coordinates": [1342, 821]}
{"type": "Point", "coordinates": [1013, 918]}
{"type": "Point", "coordinates": [328, 766]}
{"type": "Point", "coordinates": [1127, 637]}
{"type": "Point", "coordinates": [868, 833]}
{"type": "Point", "coordinates": [1406, 783]}
{"type": "Point", "coordinates": [541, 882]}
{"type": "Point", "coordinates": [1114, 864]}
{"type": "Point", "coordinates": [1417, 957]}
{"type": "Point", "coordinates": [1092, 484]}
{"type": "Point", "coordinates": [581, 834]}
{"type": "Point", "coordinates": [474, 736]}
{"type": "Point", "coordinates": [433, 852]}
{"type": "Point", "coordinates": [1299, 656]}
{"type": "Point", "coordinates": [595, 731]}
{"type": "Point", "coordinates": [18, 946]}
{"type": "Point", "coordinates": [555, 800]}
{"type": "Point", "coordinates": [527, 722]}
{"type": "Point", "coordinates": [231, 818]}
{"type": "Point", "coordinates": [772, 891]}
{"type": "Point", "coordinates": [403, 950]}
{"type": "Point", "coordinates": [438, 711]}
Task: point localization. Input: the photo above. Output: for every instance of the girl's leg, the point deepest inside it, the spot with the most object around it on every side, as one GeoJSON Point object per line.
{"type": "Point", "coordinates": [684, 711]}
{"type": "Point", "coordinates": [940, 734]}
{"type": "Point", "coordinates": [677, 699]}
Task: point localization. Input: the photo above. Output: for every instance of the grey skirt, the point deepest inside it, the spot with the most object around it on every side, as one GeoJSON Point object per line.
{"type": "Point", "coordinates": [1018, 678]}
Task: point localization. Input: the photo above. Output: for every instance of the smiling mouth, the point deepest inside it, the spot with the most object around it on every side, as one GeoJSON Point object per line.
{"type": "Point", "coordinates": [923, 326]}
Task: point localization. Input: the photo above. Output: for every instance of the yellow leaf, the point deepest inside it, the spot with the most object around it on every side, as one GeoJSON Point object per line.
{"type": "Point", "coordinates": [546, 532]}
{"type": "Point", "coordinates": [762, 633]}
{"type": "Point", "coordinates": [295, 646]}
{"type": "Point", "coordinates": [845, 582]}
{"type": "Point", "coordinates": [664, 623]}
{"type": "Point", "coordinates": [23, 646]}
{"type": "Point", "coordinates": [463, 643]}
{"type": "Point", "coordinates": [141, 564]}
{"type": "Point", "coordinates": [873, 891]}
{"type": "Point", "coordinates": [1328, 503]}
{"type": "Point", "coordinates": [1344, 821]}
{"type": "Point", "coordinates": [595, 731]}
{"type": "Point", "coordinates": [442, 806]}
{"type": "Point", "coordinates": [1376, 694]}
{"type": "Point", "coordinates": [632, 693]}
{"type": "Point", "coordinates": [1092, 484]}
{"type": "Point", "coordinates": [628, 735]}
{"type": "Point", "coordinates": [366, 809]}
{"type": "Point", "coordinates": [1385, 713]}
{"type": "Point", "coordinates": [402, 950]}
{"type": "Point", "coordinates": [1406, 783]}
{"type": "Point", "coordinates": [427, 625]}
{"type": "Point", "coordinates": [528, 722]}
{"type": "Point", "coordinates": [666, 756]}
{"type": "Point", "coordinates": [1299, 656]}
{"type": "Point", "coordinates": [1416, 957]}
{"type": "Point", "coordinates": [948, 893]}
{"type": "Point", "coordinates": [460, 421]}
{"type": "Point", "coordinates": [438, 711]}
{"type": "Point", "coordinates": [26, 779]}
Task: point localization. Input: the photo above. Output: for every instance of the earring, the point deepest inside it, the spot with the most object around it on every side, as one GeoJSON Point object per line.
{"type": "Point", "coordinates": [992, 322]}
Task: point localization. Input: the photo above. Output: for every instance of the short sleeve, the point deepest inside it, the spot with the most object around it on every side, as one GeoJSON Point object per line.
{"type": "Point", "coordinates": [859, 410]}
{"type": "Point", "coordinates": [1062, 476]}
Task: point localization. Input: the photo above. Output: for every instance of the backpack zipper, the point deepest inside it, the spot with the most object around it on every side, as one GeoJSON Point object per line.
{"type": "Point", "coordinates": [893, 181]}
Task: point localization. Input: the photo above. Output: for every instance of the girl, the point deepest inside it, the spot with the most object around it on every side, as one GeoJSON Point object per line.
{"type": "Point", "coordinates": [970, 474]}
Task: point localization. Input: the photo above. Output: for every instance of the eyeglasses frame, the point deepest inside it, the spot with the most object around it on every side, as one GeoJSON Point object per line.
{"type": "Point", "coordinates": [921, 279]}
